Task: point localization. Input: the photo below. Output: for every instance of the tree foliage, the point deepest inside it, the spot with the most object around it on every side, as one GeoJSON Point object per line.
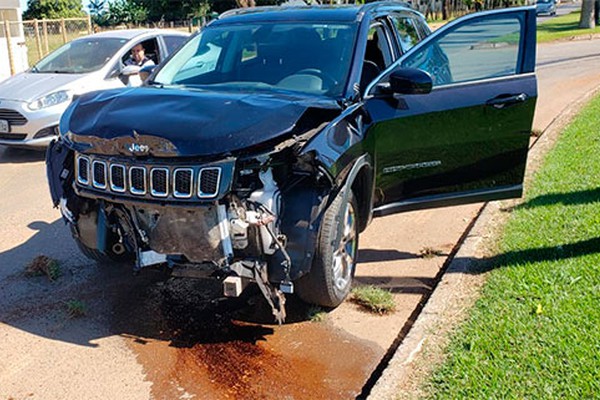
{"type": "Point", "coordinates": [127, 12]}
{"type": "Point", "coordinates": [53, 9]}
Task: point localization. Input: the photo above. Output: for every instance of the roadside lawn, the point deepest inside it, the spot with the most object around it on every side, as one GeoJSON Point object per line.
{"type": "Point", "coordinates": [562, 27]}
{"type": "Point", "coordinates": [534, 333]}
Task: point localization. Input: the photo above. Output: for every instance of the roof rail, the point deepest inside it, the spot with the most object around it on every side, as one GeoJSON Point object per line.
{"type": "Point", "coordinates": [369, 7]}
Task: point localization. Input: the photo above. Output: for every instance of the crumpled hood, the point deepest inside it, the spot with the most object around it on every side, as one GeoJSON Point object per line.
{"type": "Point", "coordinates": [28, 86]}
{"type": "Point", "coordinates": [172, 122]}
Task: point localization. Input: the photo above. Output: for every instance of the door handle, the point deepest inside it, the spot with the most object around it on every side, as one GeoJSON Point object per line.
{"type": "Point", "coordinates": [506, 100]}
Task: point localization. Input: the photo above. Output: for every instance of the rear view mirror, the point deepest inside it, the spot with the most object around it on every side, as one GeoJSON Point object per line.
{"type": "Point", "coordinates": [410, 81]}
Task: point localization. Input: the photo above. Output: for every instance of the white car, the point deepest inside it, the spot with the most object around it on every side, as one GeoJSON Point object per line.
{"type": "Point", "coordinates": [32, 102]}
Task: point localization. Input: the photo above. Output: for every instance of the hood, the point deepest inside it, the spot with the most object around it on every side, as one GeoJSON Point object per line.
{"type": "Point", "coordinates": [29, 86]}
{"type": "Point", "coordinates": [172, 122]}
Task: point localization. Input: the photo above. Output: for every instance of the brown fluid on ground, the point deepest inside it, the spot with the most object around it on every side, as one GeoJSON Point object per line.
{"type": "Point", "coordinates": [194, 347]}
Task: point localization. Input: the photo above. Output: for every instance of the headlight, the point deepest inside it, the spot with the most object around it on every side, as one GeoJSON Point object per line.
{"type": "Point", "coordinates": [50, 100]}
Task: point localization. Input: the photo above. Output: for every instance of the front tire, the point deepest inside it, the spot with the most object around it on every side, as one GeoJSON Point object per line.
{"type": "Point", "coordinates": [329, 281]}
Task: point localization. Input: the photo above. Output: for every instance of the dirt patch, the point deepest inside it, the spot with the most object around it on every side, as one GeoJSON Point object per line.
{"type": "Point", "coordinates": [43, 265]}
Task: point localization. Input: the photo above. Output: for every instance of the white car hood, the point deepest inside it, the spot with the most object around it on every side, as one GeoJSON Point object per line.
{"type": "Point", "coordinates": [28, 86]}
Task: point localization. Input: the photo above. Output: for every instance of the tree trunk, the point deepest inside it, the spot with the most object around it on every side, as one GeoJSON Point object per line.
{"type": "Point", "coordinates": [587, 15]}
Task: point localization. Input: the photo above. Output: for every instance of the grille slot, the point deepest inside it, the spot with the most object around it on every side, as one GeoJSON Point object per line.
{"type": "Point", "coordinates": [83, 170]}
{"type": "Point", "coordinates": [137, 180]}
{"type": "Point", "coordinates": [209, 182]}
{"type": "Point", "coordinates": [99, 174]}
{"type": "Point", "coordinates": [12, 136]}
{"type": "Point", "coordinates": [117, 178]}
{"type": "Point", "coordinates": [183, 183]}
{"type": "Point", "coordinates": [159, 182]}
{"type": "Point", "coordinates": [12, 116]}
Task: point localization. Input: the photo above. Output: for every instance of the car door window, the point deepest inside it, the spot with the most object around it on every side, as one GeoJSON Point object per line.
{"type": "Point", "coordinates": [480, 50]}
{"type": "Point", "coordinates": [406, 31]}
{"type": "Point", "coordinates": [151, 51]}
{"type": "Point", "coordinates": [378, 47]}
{"type": "Point", "coordinates": [173, 42]}
{"type": "Point", "coordinates": [378, 54]}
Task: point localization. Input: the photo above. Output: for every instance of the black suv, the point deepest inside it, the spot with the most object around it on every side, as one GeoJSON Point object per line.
{"type": "Point", "coordinates": [260, 150]}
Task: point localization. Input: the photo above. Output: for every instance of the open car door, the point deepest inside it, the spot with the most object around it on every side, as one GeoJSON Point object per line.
{"type": "Point", "coordinates": [467, 139]}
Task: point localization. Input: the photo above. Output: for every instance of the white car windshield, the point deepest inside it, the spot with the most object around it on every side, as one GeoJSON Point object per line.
{"type": "Point", "coordinates": [302, 57]}
{"type": "Point", "coordinates": [80, 56]}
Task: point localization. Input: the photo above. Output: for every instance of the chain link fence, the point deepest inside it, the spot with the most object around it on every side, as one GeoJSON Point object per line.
{"type": "Point", "coordinates": [26, 42]}
{"type": "Point", "coordinates": [46, 35]}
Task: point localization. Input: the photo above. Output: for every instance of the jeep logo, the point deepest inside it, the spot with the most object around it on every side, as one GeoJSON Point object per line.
{"type": "Point", "coordinates": [138, 148]}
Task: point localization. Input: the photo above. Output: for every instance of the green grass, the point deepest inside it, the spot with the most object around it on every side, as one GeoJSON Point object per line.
{"type": "Point", "coordinates": [534, 332]}
{"type": "Point", "coordinates": [562, 27]}
{"type": "Point", "coordinates": [316, 314]}
{"type": "Point", "coordinates": [76, 309]}
{"type": "Point", "coordinates": [374, 299]}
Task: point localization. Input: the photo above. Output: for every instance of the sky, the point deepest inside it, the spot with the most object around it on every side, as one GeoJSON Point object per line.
{"type": "Point", "coordinates": [24, 4]}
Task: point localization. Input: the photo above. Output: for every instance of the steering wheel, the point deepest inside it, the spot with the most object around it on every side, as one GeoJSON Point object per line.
{"type": "Point", "coordinates": [328, 81]}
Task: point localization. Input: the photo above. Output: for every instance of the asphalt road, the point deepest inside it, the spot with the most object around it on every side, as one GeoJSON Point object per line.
{"type": "Point", "coordinates": [145, 338]}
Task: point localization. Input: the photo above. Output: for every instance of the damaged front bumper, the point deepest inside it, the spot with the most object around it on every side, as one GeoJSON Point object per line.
{"type": "Point", "coordinates": [201, 220]}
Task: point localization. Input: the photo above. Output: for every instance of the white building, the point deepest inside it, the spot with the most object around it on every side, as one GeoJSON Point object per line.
{"type": "Point", "coordinates": [10, 10]}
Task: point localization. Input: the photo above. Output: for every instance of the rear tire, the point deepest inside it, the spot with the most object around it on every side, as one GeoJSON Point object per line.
{"type": "Point", "coordinates": [329, 281]}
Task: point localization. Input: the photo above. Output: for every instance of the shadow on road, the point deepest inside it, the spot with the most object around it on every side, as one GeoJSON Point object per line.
{"type": "Point", "coordinates": [375, 255]}
{"type": "Point", "coordinates": [149, 305]}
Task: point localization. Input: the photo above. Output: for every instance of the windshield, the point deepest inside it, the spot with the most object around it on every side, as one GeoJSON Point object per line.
{"type": "Point", "coordinates": [80, 56]}
{"type": "Point", "coordinates": [301, 57]}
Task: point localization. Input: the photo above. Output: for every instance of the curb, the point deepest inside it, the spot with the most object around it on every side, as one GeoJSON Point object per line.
{"type": "Point", "coordinates": [458, 290]}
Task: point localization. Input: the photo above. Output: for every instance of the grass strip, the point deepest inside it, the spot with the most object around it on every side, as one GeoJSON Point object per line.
{"type": "Point", "coordinates": [533, 334]}
{"type": "Point", "coordinates": [562, 27]}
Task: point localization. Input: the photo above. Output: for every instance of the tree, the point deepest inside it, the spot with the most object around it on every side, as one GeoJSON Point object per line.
{"type": "Point", "coordinates": [99, 12]}
{"type": "Point", "coordinates": [126, 12]}
{"type": "Point", "coordinates": [53, 9]}
{"type": "Point", "coordinates": [587, 20]}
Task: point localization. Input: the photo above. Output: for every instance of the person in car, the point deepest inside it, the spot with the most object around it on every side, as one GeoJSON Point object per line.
{"type": "Point", "coordinates": [138, 57]}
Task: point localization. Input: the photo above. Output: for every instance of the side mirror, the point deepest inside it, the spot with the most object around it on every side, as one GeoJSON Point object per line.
{"type": "Point", "coordinates": [130, 70]}
{"type": "Point", "coordinates": [146, 71]}
{"type": "Point", "coordinates": [410, 81]}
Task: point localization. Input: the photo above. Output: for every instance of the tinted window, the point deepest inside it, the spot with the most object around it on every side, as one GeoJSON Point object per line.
{"type": "Point", "coordinates": [80, 56]}
{"type": "Point", "coordinates": [480, 50]}
{"type": "Point", "coordinates": [310, 58]}
{"type": "Point", "coordinates": [173, 42]}
{"type": "Point", "coordinates": [406, 31]}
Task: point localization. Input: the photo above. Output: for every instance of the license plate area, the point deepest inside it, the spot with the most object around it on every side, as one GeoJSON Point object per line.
{"type": "Point", "coordinates": [4, 126]}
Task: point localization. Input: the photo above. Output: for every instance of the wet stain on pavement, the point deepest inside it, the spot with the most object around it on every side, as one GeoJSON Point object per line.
{"type": "Point", "coordinates": [192, 346]}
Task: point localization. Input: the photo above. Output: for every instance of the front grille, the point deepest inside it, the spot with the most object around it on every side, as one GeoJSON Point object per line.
{"type": "Point", "coordinates": [83, 170]}
{"type": "Point", "coordinates": [13, 117]}
{"type": "Point", "coordinates": [183, 182]}
{"type": "Point", "coordinates": [137, 180]}
{"type": "Point", "coordinates": [117, 178]}
{"type": "Point", "coordinates": [159, 182]}
{"type": "Point", "coordinates": [13, 136]}
{"type": "Point", "coordinates": [99, 174]}
{"type": "Point", "coordinates": [149, 181]}
{"type": "Point", "coordinates": [209, 182]}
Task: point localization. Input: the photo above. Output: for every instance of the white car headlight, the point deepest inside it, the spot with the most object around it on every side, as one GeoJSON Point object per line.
{"type": "Point", "coordinates": [50, 100]}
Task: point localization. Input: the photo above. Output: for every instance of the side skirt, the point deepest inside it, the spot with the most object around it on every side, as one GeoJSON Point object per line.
{"type": "Point", "coordinates": [452, 199]}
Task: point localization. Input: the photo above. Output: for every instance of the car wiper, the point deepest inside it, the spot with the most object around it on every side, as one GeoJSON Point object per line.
{"type": "Point", "coordinates": [154, 83]}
